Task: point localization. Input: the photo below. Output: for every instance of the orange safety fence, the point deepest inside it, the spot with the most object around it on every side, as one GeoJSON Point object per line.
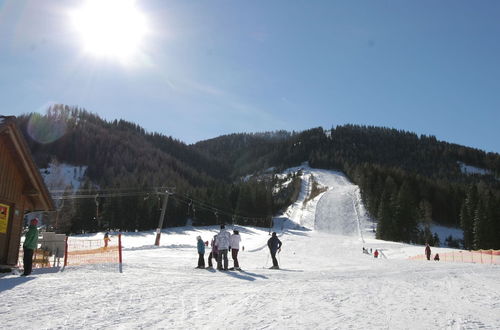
{"type": "Point", "coordinates": [477, 256]}
{"type": "Point", "coordinates": [41, 259]}
{"type": "Point", "coordinates": [76, 251]}
{"type": "Point", "coordinates": [93, 251]}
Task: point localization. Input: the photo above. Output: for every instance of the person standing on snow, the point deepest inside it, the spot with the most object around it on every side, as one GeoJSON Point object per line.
{"type": "Point", "coordinates": [106, 239]}
{"type": "Point", "coordinates": [235, 247]}
{"type": "Point", "coordinates": [223, 239]}
{"type": "Point", "coordinates": [274, 245]}
{"type": "Point", "coordinates": [201, 253]}
{"type": "Point", "coordinates": [214, 253]}
{"type": "Point", "coordinates": [428, 251]}
{"type": "Point", "coordinates": [29, 246]}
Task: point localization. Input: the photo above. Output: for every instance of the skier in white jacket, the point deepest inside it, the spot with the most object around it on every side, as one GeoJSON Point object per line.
{"type": "Point", "coordinates": [223, 240]}
{"type": "Point", "coordinates": [235, 247]}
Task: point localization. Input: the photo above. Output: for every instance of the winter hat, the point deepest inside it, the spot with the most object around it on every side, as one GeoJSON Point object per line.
{"type": "Point", "coordinates": [34, 221]}
{"type": "Point", "coordinates": [198, 237]}
{"type": "Point", "coordinates": [274, 233]}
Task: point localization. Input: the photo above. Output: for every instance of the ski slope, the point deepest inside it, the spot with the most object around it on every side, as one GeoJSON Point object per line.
{"type": "Point", "coordinates": [326, 282]}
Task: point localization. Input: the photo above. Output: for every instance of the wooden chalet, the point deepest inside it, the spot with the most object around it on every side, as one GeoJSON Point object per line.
{"type": "Point", "coordinates": [22, 189]}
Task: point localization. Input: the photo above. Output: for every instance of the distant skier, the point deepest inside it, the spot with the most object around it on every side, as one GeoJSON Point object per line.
{"type": "Point", "coordinates": [106, 239]}
{"type": "Point", "coordinates": [223, 239]}
{"type": "Point", "coordinates": [436, 257]}
{"type": "Point", "coordinates": [428, 251]}
{"type": "Point", "coordinates": [214, 253]}
{"type": "Point", "coordinates": [201, 253]}
{"type": "Point", "coordinates": [29, 246]}
{"type": "Point", "coordinates": [375, 254]}
{"type": "Point", "coordinates": [235, 247]}
{"type": "Point", "coordinates": [274, 245]}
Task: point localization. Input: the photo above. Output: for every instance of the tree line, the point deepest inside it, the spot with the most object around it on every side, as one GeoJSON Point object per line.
{"type": "Point", "coordinates": [407, 181]}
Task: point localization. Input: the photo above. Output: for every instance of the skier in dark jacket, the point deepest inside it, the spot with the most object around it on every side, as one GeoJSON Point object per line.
{"type": "Point", "coordinates": [274, 245]}
{"type": "Point", "coordinates": [428, 251]}
{"type": "Point", "coordinates": [201, 252]}
{"type": "Point", "coordinates": [29, 246]}
{"type": "Point", "coordinates": [214, 253]}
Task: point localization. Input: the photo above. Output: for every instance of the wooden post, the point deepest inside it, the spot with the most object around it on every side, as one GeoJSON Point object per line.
{"type": "Point", "coordinates": [160, 221]}
{"type": "Point", "coordinates": [120, 252]}
{"type": "Point", "coordinates": [66, 252]}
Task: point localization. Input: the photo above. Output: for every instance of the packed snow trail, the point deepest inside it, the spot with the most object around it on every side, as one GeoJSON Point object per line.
{"type": "Point", "coordinates": [339, 210]}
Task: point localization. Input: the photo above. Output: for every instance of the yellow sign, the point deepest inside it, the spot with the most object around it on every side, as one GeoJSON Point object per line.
{"type": "Point", "coordinates": [4, 218]}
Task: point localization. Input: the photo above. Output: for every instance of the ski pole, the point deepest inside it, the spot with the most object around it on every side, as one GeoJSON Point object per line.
{"type": "Point", "coordinates": [267, 260]}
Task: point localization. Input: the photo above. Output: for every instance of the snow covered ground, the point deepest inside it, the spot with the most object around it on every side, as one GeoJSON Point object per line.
{"type": "Point", "coordinates": [326, 282]}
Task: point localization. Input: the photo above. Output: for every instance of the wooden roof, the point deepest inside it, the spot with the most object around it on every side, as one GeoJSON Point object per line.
{"type": "Point", "coordinates": [39, 194]}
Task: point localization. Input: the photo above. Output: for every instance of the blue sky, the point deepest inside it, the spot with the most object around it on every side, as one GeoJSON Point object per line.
{"type": "Point", "coordinates": [207, 68]}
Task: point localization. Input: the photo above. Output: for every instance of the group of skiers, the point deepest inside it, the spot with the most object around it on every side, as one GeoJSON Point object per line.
{"type": "Point", "coordinates": [223, 242]}
{"type": "Point", "coordinates": [375, 253]}
{"type": "Point", "coordinates": [428, 253]}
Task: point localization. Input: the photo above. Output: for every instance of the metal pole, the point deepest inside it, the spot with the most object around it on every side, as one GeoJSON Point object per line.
{"type": "Point", "coordinates": [120, 252]}
{"type": "Point", "coordinates": [160, 221]}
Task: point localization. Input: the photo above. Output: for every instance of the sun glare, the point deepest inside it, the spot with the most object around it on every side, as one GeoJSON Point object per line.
{"type": "Point", "coordinates": [110, 28]}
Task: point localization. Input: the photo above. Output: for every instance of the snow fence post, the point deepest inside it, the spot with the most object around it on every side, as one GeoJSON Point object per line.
{"type": "Point", "coordinates": [120, 252]}
{"type": "Point", "coordinates": [66, 252]}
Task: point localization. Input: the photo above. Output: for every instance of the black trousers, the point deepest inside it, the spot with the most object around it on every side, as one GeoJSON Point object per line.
{"type": "Point", "coordinates": [28, 260]}
{"type": "Point", "coordinates": [234, 254]}
{"type": "Point", "coordinates": [210, 256]}
{"type": "Point", "coordinates": [201, 260]}
{"type": "Point", "coordinates": [273, 256]}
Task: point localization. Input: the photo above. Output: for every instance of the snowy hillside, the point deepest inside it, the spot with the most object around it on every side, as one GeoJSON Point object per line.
{"type": "Point", "coordinates": [61, 176]}
{"type": "Point", "coordinates": [326, 282]}
{"type": "Point", "coordinates": [472, 170]}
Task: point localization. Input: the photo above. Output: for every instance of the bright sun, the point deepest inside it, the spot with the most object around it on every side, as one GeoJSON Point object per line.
{"type": "Point", "coordinates": [110, 28]}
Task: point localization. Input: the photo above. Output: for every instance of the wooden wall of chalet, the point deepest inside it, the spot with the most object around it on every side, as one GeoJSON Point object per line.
{"type": "Point", "coordinates": [12, 184]}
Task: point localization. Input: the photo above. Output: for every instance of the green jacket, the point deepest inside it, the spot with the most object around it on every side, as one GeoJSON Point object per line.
{"type": "Point", "coordinates": [31, 240]}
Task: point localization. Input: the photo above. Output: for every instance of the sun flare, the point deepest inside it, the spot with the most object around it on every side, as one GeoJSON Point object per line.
{"type": "Point", "coordinates": [110, 28]}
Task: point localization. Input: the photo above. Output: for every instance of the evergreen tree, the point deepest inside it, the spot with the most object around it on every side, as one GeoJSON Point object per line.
{"type": "Point", "coordinates": [467, 213]}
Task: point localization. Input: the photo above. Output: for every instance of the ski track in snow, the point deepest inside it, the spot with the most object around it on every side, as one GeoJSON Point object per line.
{"type": "Point", "coordinates": [326, 282]}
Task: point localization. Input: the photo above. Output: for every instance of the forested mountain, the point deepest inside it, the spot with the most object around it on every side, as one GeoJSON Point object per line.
{"type": "Point", "coordinates": [406, 180]}
{"type": "Point", "coordinates": [124, 159]}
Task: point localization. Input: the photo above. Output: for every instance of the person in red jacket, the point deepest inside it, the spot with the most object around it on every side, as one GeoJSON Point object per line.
{"type": "Point", "coordinates": [375, 254]}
